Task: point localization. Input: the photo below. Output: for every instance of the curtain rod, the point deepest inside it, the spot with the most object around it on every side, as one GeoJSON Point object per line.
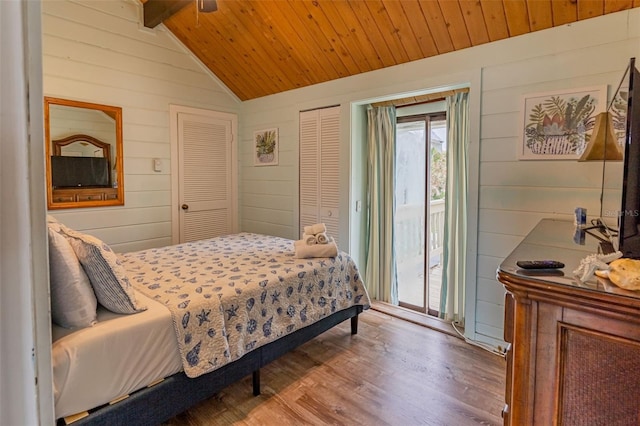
{"type": "Point", "coordinates": [420, 99]}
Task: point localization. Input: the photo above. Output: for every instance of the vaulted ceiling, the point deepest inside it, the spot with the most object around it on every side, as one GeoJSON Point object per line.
{"type": "Point", "coordinates": [262, 47]}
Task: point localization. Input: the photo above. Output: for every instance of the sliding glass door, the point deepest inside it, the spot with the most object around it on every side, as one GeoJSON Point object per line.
{"type": "Point", "coordinates": [419, 215]}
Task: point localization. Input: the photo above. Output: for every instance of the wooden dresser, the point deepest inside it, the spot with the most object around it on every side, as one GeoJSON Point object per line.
{"type": "Point", "coordinates": [573, 354]}
{"type": "Point", "coordinates": [81, 195]}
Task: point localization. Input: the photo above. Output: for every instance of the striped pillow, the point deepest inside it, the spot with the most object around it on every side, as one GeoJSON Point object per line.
{"type": "Point", "coordinates": [108, 278]}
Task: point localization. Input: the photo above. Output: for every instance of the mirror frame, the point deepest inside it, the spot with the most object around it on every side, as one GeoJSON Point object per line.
{"type": "Point", "coordinates": [59, 144]}
{"type": "Point", "coordinates": [67, 198]}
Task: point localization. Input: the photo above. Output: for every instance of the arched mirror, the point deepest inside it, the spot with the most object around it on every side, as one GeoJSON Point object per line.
{"type": "Point", "coordinates": [84, 154]}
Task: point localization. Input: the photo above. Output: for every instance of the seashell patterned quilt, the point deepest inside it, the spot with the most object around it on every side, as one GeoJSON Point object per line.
{"type": "Point", "coordinates": [228, 295]}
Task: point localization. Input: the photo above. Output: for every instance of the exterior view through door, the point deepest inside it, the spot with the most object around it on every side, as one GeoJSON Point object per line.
{"type": "Point", "coordinates": [419, 209]}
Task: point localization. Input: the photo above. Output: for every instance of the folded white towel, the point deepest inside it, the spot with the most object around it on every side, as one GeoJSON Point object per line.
{"type": "Point", "coordinates": [309, 239]}
{"type": "Point", "coordinates": [305, 251]}
{"type": "Point", "coordinates": [315, 229]}
{"type": "Point", "coordinates": [322, 238]}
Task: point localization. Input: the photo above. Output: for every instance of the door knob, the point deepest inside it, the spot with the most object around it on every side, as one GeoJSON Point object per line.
{"type": "Point", "coordinates": [185, 207]}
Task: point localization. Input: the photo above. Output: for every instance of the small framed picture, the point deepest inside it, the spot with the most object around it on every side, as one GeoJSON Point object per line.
{"type": "Point", "coordinates": [558, 125]}
{"type": "Point", "coordinates": [265, 147]}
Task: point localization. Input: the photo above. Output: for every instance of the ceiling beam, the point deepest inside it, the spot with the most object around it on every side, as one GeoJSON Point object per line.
{"type": "Point", "coordinates": [156, 11]}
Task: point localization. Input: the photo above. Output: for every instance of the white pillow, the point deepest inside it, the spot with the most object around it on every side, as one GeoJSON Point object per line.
{"type": "Point", "coordinates": [73, 303]}
{"type": "Point", "coordinates": [107, 276]}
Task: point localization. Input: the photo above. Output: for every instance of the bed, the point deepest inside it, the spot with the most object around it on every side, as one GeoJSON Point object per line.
{"type": "Point", "coordinates": [205, 315]}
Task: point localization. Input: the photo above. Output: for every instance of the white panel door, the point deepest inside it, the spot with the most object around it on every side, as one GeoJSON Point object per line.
{"type": "Point", "coordinates": [205, 176]}
{"type": "Point", "coordinates": [320, 169]}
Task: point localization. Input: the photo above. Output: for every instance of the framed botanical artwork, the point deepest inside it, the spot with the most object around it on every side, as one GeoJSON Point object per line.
{"type": "Point", "coordinates": [558, 125]}
{"type": "Point", "coordinates": [265, 147]}
{"type": "Point", "coordinates": [618, 112]}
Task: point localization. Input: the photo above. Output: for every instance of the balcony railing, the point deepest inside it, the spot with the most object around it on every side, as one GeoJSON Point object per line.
{"type": "Point", "coordinates": [410, 234]}
{"type": "Point", "coordinates": [410, 256]}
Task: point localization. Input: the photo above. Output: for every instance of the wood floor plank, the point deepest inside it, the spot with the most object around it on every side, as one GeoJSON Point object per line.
{"type": "Point", "coordinates": [393, 372]}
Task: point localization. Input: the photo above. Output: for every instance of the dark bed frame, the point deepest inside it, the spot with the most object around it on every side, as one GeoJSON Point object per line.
{"type": "Point", "coordinates": [175, 394]}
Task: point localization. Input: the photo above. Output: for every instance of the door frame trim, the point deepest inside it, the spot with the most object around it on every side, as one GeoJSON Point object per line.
{"type": "Point", "coordinates": [427, 118]}
{"type": "Point", "coordinates": [174, 110]}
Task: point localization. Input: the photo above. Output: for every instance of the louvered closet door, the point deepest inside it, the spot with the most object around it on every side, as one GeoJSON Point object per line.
{"type": "Point", "coordinates": [320, 169]}
{"type": "Point", "coordinates": [309, 201]}
{"type": "Point", "coordinates": [204, 149]}
{"type": "Point", "coordinates": [329, 188]}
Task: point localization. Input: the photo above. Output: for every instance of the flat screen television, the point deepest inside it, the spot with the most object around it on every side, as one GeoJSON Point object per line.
{"type": "Point", "coordinates": [629, 215]}
{"type": "Point", "coordinates": [79, 172]}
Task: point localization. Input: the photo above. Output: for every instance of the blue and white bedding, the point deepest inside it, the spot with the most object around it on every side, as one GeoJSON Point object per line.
{"type": "Point", "coordinates": [231, 294]}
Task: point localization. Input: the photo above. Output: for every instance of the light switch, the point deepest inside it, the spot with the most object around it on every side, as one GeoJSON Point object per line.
{"type": "Point", "coordinates": [157, 165]}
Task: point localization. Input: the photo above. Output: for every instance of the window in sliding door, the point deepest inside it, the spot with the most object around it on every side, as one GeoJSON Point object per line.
{"type": "Point", "coordinates": [419, 209]}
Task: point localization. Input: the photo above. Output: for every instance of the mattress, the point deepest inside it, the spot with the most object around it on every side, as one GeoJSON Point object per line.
{"type": "Point", "coordinates": [120, 354]}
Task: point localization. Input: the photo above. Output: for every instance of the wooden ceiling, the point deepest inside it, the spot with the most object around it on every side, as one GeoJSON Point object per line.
{"type": "Point", "coordinates": [263, 47]}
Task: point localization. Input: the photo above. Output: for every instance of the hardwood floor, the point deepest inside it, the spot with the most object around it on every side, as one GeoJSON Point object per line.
{"type": "Point", "coordinates": [393, 372]}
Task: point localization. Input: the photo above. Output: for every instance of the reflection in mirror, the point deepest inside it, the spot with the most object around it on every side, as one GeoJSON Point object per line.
{"type": "Point", "coordinates": [84, 154]}
{"type": "Point", "coordinates": [81, 161]}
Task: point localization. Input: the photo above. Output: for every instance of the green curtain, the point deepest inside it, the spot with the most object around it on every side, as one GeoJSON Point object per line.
{"type": "Point", "coordinates": [455, 227]}
{"type": "Point", "coordinates": [380, 259]}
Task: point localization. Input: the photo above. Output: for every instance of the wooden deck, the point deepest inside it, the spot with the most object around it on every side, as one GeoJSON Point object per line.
{"type": "Point", "coordinates": [411, 283]}
{"type": "Point", "coordinates": [392, 372]}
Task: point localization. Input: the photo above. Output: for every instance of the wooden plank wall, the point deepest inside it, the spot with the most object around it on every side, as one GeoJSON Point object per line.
{"type": "Point", "coordinates": [268, 196]}
{"type": "Point", "coordinates": [99, 52]}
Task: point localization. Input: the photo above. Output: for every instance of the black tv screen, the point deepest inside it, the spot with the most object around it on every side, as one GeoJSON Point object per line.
{"type": "Point", "coordinates": [629, 223]}
{"type": "Point", "coordinates": [77, 172]}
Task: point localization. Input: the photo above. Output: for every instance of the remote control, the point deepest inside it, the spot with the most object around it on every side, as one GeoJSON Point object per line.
{"type": "Point", "coordinates": [539, 264]}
